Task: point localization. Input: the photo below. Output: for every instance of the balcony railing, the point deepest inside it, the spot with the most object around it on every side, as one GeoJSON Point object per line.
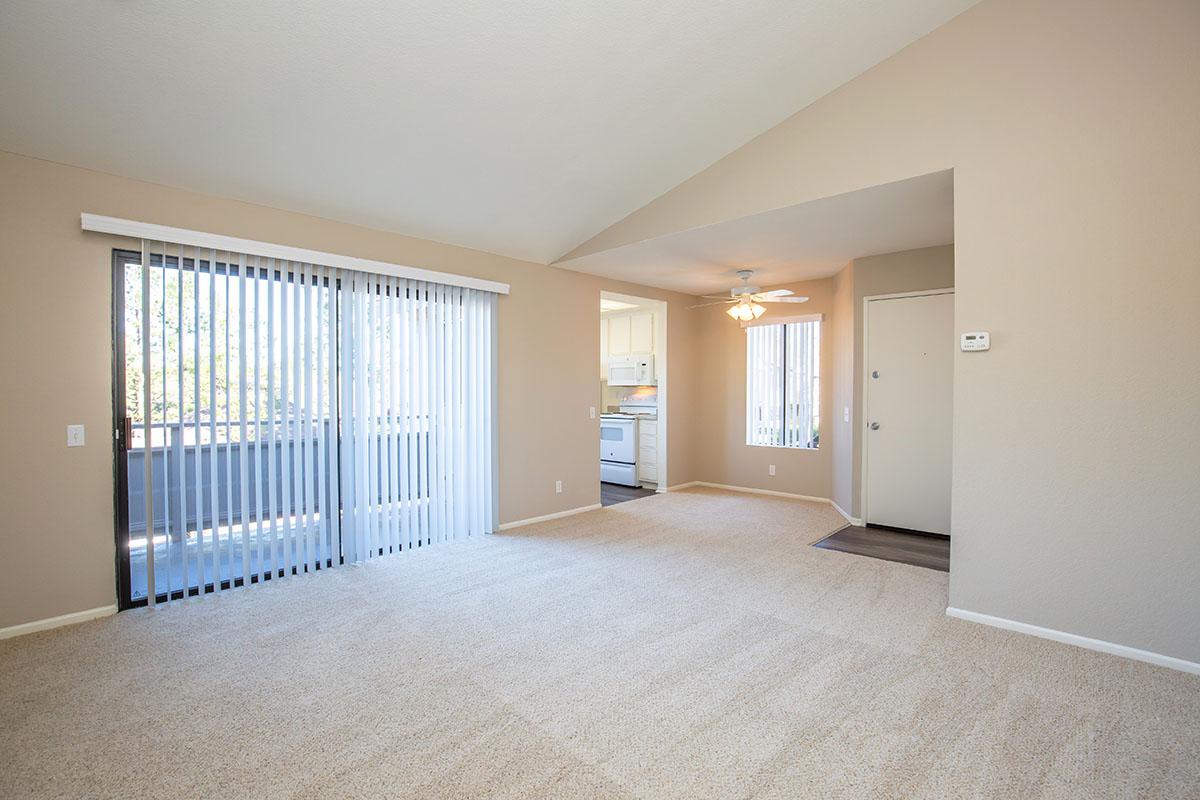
{"type": "Point", "coordinates": [175, 456]}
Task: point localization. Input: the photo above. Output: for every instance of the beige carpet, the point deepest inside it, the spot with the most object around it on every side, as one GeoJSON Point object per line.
{"type": "Point", "coordinates": [688, 645]}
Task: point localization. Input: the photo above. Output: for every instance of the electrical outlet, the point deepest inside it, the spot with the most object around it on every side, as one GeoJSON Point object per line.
{"type": "Point", "coordinates": [75, 436]}
{"type": "Point", "coordinates": [845, 413]}
{"type": "Point", "coordinates": [771, 470]}
{"type": "Point", "coordinates": [558, 487]}
{"type": "Point", "coordinates": [592, 412]}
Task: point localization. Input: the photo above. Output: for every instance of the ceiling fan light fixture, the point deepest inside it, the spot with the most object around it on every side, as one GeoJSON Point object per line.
{"type": "Point", "coordinates": [745, 311]}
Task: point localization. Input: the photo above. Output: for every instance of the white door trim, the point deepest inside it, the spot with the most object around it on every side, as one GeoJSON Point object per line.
{"type": "Point", "coordinates": [866, 384]}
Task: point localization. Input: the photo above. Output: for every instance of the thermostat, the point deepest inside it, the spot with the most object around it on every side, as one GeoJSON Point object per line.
{"type": "Point", "coordinates": [975, 340]}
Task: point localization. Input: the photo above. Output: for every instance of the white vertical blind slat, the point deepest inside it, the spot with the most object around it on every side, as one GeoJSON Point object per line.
{"type": "Point", "coordinates": [165, 574]}
{"type": "Point", "coordinates": [322, 500]}
{"type": "Point", "coordinates": [393, 365]}
{"type": "Point", "coordinates": [285, 419]}
{"type": "Point", "coordinates": [372, 372]}
{"type": "Point", "coordinates": [346, 409]}
{"type": "Point", "coordinates": [297, 462]}
{"type": "Point", "coordinates": [360, 422]}
{"type": "Point", "coordinates": [272, 439]}
{"type": "Point", "coordinates": [227, 557]}
{"type": "Point", "coordinates": [179, 451]}
{"type": "Point", "coordinates": [433, 418]}
{"type": "Point", "coordinates": [198, 450]}
{"type": "Point", "coordinates": [475, 432]}
{"type": "Point", "coordinates": [260, 550]}
{"type": "Point", "coordinates": [334, 531]}
{"type": "Point", "coordinates": [243, 428]}
{"type": "Point", "coordinates": [406, 415]}
{"type": "Point", "coordinates": [308, 440]}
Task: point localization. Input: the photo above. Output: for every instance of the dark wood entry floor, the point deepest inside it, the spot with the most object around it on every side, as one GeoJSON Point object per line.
{"type": "Point", "coordinates": [612, 493]}
{"type": "Point", "coordinates": [918, 549]}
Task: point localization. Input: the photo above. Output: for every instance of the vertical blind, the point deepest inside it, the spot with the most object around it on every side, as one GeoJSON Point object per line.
{"type": "Point", "coordinates": [783, 384]}
{"type": "Point", "coordinates": [291, 417]}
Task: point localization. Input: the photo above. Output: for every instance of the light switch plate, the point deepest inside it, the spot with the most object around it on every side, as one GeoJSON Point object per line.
{"type": "Point", "coordinates": [592, 412]}
{"type": "Point", "coordinates": [771, 470]}
{"type": "Point", "coordinates": [75, 436]}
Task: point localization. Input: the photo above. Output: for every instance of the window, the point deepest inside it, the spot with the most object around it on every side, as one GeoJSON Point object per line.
{"type": "Point", "coordinates": [783, 384]}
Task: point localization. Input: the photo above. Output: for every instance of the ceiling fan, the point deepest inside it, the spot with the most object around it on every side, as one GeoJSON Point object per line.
{"type": "Point", "coordinates": [744, 301]}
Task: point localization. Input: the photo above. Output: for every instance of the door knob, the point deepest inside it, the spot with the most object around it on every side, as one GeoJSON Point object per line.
{"type": "Point", "coordinates": [874, 426]}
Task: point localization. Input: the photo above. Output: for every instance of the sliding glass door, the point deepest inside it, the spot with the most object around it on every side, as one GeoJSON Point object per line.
{"type": "Point", "coordinates": [275, 418]}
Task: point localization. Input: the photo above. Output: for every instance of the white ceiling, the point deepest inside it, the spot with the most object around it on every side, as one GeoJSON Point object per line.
{"type": "Point", "coordinates": [802, 242]}
{"type": "Point", "coordinates": [520, 127]}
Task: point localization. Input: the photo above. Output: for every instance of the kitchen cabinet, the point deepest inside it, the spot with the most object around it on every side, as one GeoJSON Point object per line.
{"type": "Point", "coordinates": [619, 336]}
{"type": "Point", "coordinates": [629, 334]}
{"type": "Point", "coordinates": [648, 451]}
{"type": "Point", "coordinates": [641, 333]}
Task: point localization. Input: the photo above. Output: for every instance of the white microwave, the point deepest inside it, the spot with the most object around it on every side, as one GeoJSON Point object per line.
{"type": "Point", "coordinates": [631, 371]}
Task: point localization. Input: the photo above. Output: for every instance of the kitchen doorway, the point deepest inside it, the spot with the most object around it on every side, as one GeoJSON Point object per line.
{"type": "Point", "coordinates": [632, 400]}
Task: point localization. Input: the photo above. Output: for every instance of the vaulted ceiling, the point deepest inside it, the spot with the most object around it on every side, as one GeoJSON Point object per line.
{"type": "Point", "coordinates": [521, 128]}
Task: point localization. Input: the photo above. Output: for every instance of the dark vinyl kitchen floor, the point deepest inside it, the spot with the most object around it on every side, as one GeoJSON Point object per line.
{"type": "Point", "coordinates": [918, 549]}
{"type": "Point", "coordinates": [613, 493]}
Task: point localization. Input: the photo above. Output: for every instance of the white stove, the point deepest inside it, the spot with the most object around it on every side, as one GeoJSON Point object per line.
{"type": "Point", "coordinates": [619, 443]}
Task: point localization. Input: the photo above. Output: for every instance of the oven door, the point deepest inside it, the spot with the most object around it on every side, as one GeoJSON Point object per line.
{"type": "Point", "coordinates": [618, 440]}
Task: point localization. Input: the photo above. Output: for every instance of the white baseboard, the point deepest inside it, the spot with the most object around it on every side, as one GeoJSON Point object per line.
{"type": "Point", "coordinates": [1075, 639]}
{"type": "Point", "coordinates": [506, 526]}
{"type": "Point", "coordinates": [57, 622]}
{"type": "Point", "coordinates": [677, 487]}
{"type": "Point", "coordinates": [852, 520]}
{"type": "Point", "coordinates": [770, 492]}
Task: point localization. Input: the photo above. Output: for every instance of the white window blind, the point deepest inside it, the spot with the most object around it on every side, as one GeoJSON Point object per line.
{"type": "Point", "coordinates": [783, 384]}
{"type": "Point", "coordinates": [284, 417]}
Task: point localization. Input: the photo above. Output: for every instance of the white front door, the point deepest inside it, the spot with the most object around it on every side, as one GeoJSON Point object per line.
{"type": "Point", "coordinates": [909, 397]}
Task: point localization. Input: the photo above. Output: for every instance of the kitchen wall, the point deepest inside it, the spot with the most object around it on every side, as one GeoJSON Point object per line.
{"type": "Point", "coordinates": [1071, 128]}
{"type": "Point", "coordinates": [56, 320]}
{"type": "Point", "coordinates": [722, 453]}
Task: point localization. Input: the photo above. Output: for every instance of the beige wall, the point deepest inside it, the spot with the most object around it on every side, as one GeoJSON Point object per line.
{"type": "Point", "coordinates": [891, 273]}
{"type": "Point", "coordinates": [723, 455]}
{"type": "Point", "coordinates": [55, 320]}
{"type": "Point", "coordinates": [1072, 129]}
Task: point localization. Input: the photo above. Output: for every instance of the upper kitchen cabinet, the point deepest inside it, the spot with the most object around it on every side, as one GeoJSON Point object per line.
{"type": "Point", "coordinates": [618, 336]}
{"type": "Point", "coordinates": [628, 334]}
{"type": "Point", "coordinates": [641, 333]}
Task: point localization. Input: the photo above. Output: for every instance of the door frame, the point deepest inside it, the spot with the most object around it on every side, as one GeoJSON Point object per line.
{"type": "Point", "coordinates": [660, 308]}
{"type": "Point", "coordinates": [120, 444]}
{"type": "Point", "coordinates": [866, 383]}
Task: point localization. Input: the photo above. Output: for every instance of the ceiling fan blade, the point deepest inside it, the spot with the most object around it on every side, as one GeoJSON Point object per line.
{"type": "Point", "coordinates": [783, 300]}
{"type": "Point", "coordinates": [716, 296]}
{"type": "Point", "coordinates": [776, 293]}
{"type": "Point", "coordinates": [718, 303]}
